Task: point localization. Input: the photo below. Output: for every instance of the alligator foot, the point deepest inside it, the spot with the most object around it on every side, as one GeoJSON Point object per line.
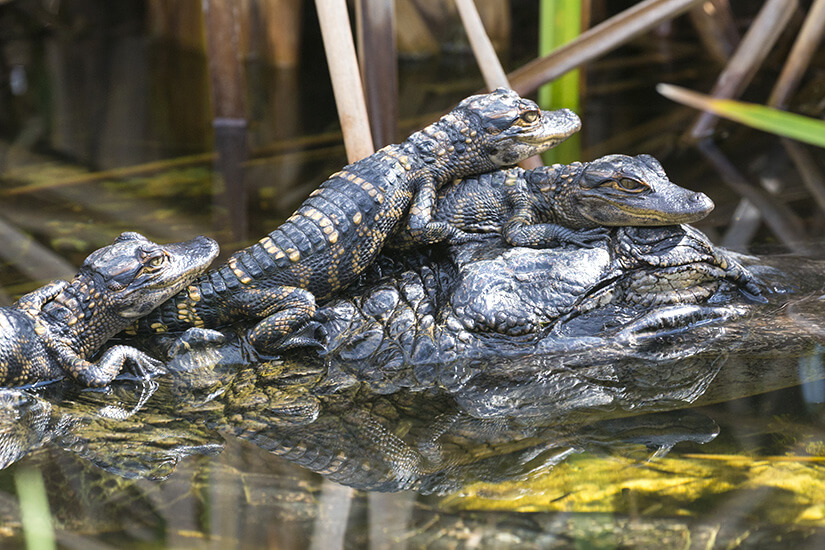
{"type": "Point", "coordinates": [311, 335]}
{"type": "Point", "coordinates": [550, 235]}
{"type": "Point", "coordinates": [111, 364]}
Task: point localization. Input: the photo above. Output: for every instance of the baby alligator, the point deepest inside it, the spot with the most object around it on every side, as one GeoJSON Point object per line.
{"type": "Point", "coordinates": [572, 203]}
{"type": "Point", "coordinates": [50, 332]}
{"type": "Point", "coordinates": [338, 231]}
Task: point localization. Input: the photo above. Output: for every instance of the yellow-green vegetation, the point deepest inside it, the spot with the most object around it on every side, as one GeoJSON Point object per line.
{"type": "Point", "coordinates": [778, 489]}
{"type": "Point", "coordinates": [560, 21]}
{"type": "Point", "coordinates": [34, 509]}
{"type": "Point", "coordinates": [768, 119]}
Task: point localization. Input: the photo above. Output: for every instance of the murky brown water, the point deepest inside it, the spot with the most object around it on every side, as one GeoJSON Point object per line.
{"type": "Point", "coordinates": [107, 129]}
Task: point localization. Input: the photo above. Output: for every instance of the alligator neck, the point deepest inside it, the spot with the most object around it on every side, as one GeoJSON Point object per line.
{"type": "Point", "coordinates": [81, 314]}
{"type": "Point", "coordinates": [449, 148]}
{"type": "Point", "coordinates": [564, 199]}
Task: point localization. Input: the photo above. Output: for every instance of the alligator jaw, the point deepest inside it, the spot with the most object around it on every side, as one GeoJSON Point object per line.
{"type": "Point", "coordinates": [651, 210]}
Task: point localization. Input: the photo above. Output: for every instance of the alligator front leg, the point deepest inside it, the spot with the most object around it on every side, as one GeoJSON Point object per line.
{"type": "Point", "coordinates": [109, 365]}
{"type": "Point", "coordinates": [33, 302]}
{"type": "Point", "coordinates": [523, 229]}
{"type": "Point", "coordinates": [421, 227]}
{"type": "Point", "coordinates": [290, 308]}
{"type": "Point", "coordinates": [548, 235]}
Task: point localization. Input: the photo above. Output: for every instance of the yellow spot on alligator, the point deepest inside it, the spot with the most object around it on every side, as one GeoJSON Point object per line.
{"type": "Point", "coordinates": [72, 321]}
{"type": "Point", "coordinates": [278, 255]}
{"type": "Point", "coordinates": [325, 222]}
{"type": "Point", "coordinates": [333, 238]}
{"type": "Point", "coordinates": [329, 229]}
{"type": "Point", "coordinates": [356, 219]}
{"type": "Point", "coordinates": [194, 294]}
{"type": "Point", "coordinates": [158, 327]}
{"type": "Point", "coordinates": [91, 305]}
{"type": "Point", "coordinates": [293, 254]}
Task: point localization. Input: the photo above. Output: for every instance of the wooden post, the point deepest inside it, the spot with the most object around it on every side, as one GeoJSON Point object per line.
{"type": "Point", "coordinates": [346, 80]}
{"type": "Point", "coordinates": [229, 109]}
{"type": "Point", "coordinates": [377, 54]}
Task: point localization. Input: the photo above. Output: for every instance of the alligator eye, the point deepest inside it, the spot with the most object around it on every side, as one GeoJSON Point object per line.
{"type": "Point", "coordinates": [156, 261]}
{"type": "Point", "coordinates": [530, 116]}
{"type": "Point", "coordinates": [630, 184]}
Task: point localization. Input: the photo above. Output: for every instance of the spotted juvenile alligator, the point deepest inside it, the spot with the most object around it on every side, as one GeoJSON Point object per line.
{"type": "Point", "coordinates": [338, 231]}
{"type": "Point", "coordinates": [572, 203]}
{"type": "Point", "coordinates": [50, 333]}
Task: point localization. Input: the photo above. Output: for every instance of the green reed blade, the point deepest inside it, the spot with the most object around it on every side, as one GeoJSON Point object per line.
{"type": "Point", "coordinates": [35, 513]}
{"type": "Point", "coordinates": [559, 23]}
{"type": "Point", "coordinates": [782, 123]}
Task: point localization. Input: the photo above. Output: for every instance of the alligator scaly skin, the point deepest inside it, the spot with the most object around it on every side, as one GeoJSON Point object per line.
{"type": "Point", "coordinates": [50, 332]}
{"type": "Point", "coordinates": [339, 230]}
{"type": "Point", "coordinates": [561, 204]}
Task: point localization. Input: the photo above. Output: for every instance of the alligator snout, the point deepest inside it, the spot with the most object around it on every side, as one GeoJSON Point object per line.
{"type": "Point", "coordinates": [702, 203]}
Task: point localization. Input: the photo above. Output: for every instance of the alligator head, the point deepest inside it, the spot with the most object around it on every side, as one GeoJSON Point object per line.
{"type": "Point", "coordinates": [618, 190]}
{"type": "Point", "coordinates": [513, 128]}
{"type": "Point", "coordinates": [135, 275]}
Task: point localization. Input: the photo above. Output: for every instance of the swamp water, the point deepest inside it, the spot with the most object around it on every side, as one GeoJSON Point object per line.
{"type": "Point", "coordinates": [714, 439]}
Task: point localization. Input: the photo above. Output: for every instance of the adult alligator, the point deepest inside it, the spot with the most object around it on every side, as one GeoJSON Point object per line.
{"type": "Point", "coordinates": [340, 229]}
{"type": "Point", "coordinates": [574, 203]}
{"type": "Point", "coordinates": [51, 332]}
{"type": "Point", "coordinates": [483, 300]}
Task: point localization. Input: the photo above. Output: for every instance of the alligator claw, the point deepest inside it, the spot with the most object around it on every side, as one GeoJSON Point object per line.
{"type": "Point", "coordinates": [589, 238]}
{"type": "Point", "coordinates": [311, 335]}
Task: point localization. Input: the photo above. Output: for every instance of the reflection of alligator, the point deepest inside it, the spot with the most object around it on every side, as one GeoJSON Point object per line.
{"type": "Point", "coordinates": [50, 332]}
{"type": "Point", "coordinates": [484, 300]}
{"type": "Point", "coordinates": [339, 230]}
{"type": "Point", "coordinates": [569, 203]}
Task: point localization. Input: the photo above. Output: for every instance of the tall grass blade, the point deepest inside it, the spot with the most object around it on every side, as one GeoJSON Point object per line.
{"type": "Point", "coordinates": [34, 509]}
{"type": "Point", "coordinates": [560, 21]}
{"type": "Point", "coordinates": [782, 123]}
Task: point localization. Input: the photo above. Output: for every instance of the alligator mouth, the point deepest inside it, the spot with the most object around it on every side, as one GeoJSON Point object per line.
{"type": "Point", "coordinates": [653, 216]}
